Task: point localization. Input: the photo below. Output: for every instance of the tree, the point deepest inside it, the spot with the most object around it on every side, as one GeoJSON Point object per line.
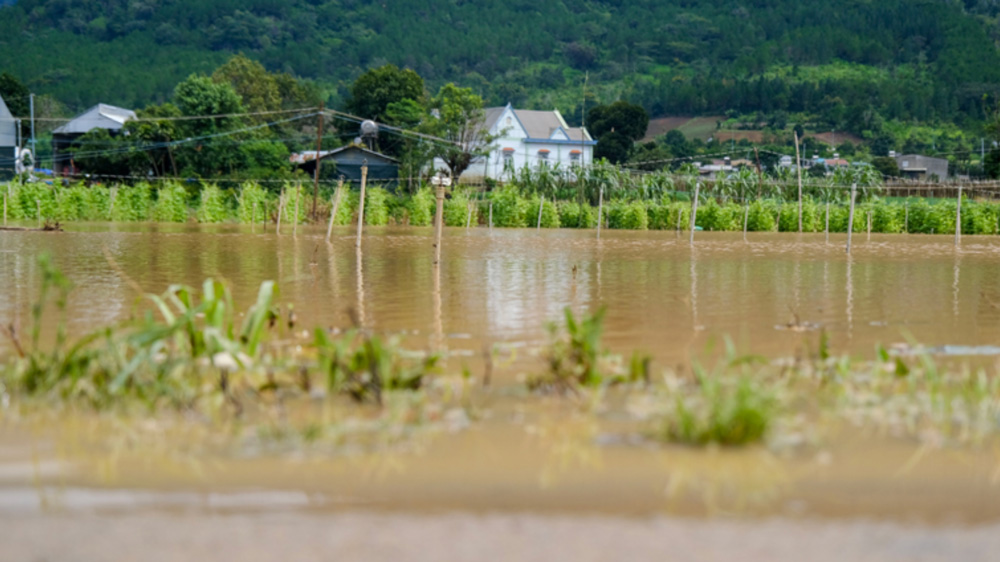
{"type": "Point", "coordinates": [613, 146]}
{"type": "Point", "coordinates": [374, 90]}
{"type": "Point", "coordinates": [214, 146]}
{"type": "Point", "coordinates": [886, 166]}
{"type": "Point", "coordinates": [154, 137]}
{"type": "Point", "coordinates": [461, 122]}
{"type": "Point", "coordinates": [258, 90]}
{"type": "Point", "coordinates": [621, 117]}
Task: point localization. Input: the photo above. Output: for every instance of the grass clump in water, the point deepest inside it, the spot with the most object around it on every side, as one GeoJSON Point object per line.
{"type": "Point", "coordinates": [721, 410]}
{"type": "Point", "coordinates": [573, 354]}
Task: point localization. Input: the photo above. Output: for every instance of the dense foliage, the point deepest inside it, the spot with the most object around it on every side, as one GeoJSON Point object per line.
{"type": "Point", "coordinates": [849, 63]}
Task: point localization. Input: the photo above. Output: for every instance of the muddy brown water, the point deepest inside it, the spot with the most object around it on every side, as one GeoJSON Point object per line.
{"type": "Point", "coordinates": [662, 296]}
{"type": "Point", "coordinates": [771, 296]}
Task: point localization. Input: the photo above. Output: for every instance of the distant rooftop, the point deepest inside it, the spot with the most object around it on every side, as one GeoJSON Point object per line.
{"type": "Point", "coordinates": [101, 116]}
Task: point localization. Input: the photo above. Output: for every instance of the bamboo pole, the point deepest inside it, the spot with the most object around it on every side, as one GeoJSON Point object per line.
{"type": "Point", "coordinates": [281, 210]}
{"type": "Point", "coordinates": [869, 226]}
{"type": "Point", "coordinates": [746, 218]}
{"type": "Point", "coordinates": [295, 215]}
{"type": "Point", "coordinates": [906, 216]}
{"type": "Point", "coordinates": [826, 228]}
{"type": "Point", "coordinates": [336, 204]}
{"type": "Point", "coordinates": [438, 222]}
{"type": "Point", "coordinates": [600, 210]}
{"type": "Point", "coordinates": [850, 217]}
{"type": "Point", "coordinates": [361, 202]}
{"type": "Point", "coordinates": [798, 170]}
{"type": "Point", "coordinates": [694, 211]}
{"type": "Point", "coordinates": [958, 218]}
{"type": "Point", "coordinates": [468, 218]}
{"type": "Point", "coordinates": [491, 216]}
{"type": "Point", "coordinates": [253, 217]}
{"type": "Point", "coordinates": [38, 209]}
{"type": "Point", "coordinates": [5, 208]}
{"type": "Point", "coordinates": [541, 206]}
{"type": "Point", "coordinates": [680, 215]}
{"type": "Point", "coordinates": [319, 148]}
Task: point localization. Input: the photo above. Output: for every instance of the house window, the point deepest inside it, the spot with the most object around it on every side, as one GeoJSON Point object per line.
{"type": "Point", "coordinates": [574, 155]}
{"type": "Point", "coordinates": [508, 155]}
{"type": "Point", "coordinates": [510, 122]}
{"type": "Point", "coordinates": [543, 154]}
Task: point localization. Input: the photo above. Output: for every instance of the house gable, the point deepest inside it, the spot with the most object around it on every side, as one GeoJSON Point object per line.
{"type": "Point", "coordinates": [508, 125]}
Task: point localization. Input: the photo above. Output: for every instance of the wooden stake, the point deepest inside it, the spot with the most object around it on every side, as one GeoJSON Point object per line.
{"type": "Point", "coordinates": [850, 218]}
{"type": "Point", "coordinates": [333, 213]}
{"type": "Point", "coordinates": [906, 217]}
{"type": "Point", "coordinates": [746, 218]}
{"type": "Point", "coordinates": [295, 215]}
{"type": "Point", "coordinates": [281, 210]}
{"type": "Point", "coordinates": [361, 202]}
{"type": "Point", "coordinates": [491, 216]}
{"type": "Point", "coordinates": [798, 170]}
{"type": "Point", "coordinates": [5, 209]}
{"type": "Point", "coordinates": [253, 217]}
{"type": "Point", "coordinates": [38, 207]}
{"type": "Point", "coordinates": [826, 228]}
{"type": "Point", "coordinates": [958, 218]}
{"type": "Point", "coordinates": [869, 226]}
{"type": "Point", "coordinates": [468, 218]}
{"type": "Point", "coordinates": [438, 222]}
{"type": "Point", "coordinates": [600, 210]}
{"type": "Point", "coordinates": [541, 206]}
{"type": "Point", "coordinates": [694, 210]}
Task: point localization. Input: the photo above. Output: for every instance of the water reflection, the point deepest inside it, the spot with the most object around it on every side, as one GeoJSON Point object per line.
{"type": "Point", "coordinates": [660, 295]}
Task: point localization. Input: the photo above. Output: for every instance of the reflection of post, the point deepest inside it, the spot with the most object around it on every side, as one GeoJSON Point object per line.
{"type": "Point", "coordinates": [360, 290]}
{"type": "Point", "coordinates": [694, 210]}
{"type": "Point", "coordinates": [336, 205]}
{"type": "Point", "coordinates": [361, 202]}
{"type": "Point", "coordinates": [850, 299]}
{"type": "Point", "coordinates": [954, 287]}
{"type": "Point", "coordinates": [958, 218]}
{"type": "Point", "coordinates": [850, 218]}
{"type": "Point", "coordinates": [438, 342]}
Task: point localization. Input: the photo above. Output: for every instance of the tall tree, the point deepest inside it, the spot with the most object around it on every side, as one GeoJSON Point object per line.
{"type": "Point", "coordinates": [460, 121]}
{"type": "Point", "coordinates": [374, 90]}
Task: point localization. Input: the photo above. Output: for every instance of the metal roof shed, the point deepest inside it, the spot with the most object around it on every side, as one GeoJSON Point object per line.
{"type": "Point", "coordinates": [101, 116]}
{"type": "Point", "coordinates": [8, 127]}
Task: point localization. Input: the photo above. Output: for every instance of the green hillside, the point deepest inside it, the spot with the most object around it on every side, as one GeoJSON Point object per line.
{"type": "Point", "coordinates": [849, 63]}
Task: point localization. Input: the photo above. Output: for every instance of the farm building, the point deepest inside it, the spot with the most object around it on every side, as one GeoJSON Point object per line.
{"type": "Point", "coordinates": [8, 136]}
{"type": "Point", "coordinates": [101, 116]}
{"type": "Point", "coordinates": [919, 167]}
{"type": "Point", "coordinates": [346, 161]}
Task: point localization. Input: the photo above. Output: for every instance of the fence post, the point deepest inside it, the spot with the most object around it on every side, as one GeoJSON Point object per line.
{"type": "Point", "coordinates": [906, 216]}
{"type": "Point", "coordinates": [746, 217]}
{"type": "Point", "coordinates": [333, 212]}
{"type": "Point", "coordinates": [850, 218]}
{"type": "Point", "coordinates": [38, 207]}
{"type": "Point", "coordinates": [869, 226]}
{"type": "Point", "coordinates": [541, 206]}
{"type": "Point", "coordinates": [295, 215]}
{"type": "Point", "coordinates": [798, 170]}
{"type": "Point", "coordinates": [600, 210]}
{"type": "Point", "coordinates": [361, 202]}
{"type": "Point", "coordinates": [281, 209]}
{"type": "Point", "coordinates": [826, 228]}
{"type": "Point", "coordinates": [694, 210]}
{"type": "Point", "coordinates": [438, 221]}
{"type": "Point", "coordinates": [958, 218]}
{"type": "Point", "coordinates": [491, 216]}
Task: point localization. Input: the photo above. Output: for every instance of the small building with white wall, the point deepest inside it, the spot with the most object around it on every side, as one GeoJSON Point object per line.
{"type": "Point", "coordinates": [530, 138]}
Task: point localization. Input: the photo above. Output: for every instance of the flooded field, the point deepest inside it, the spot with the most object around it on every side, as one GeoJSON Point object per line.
{"type": "Point", "coordinates": [502, 448]}
{"type": "Point", "coordinates": [770, 296]}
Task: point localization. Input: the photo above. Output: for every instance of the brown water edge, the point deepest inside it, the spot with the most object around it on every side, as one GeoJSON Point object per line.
{"type": "Point", "coordinates": [501, 287]}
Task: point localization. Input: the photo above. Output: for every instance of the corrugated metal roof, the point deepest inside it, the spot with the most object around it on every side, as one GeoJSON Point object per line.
{"type": "Point", "coordinates": [101, 116]}
{"type": "Point", "coordinates": [8, 127]}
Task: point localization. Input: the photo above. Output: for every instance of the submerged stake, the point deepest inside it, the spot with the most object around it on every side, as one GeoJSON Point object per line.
{"type": "Point", "coordinates": [850, 218]}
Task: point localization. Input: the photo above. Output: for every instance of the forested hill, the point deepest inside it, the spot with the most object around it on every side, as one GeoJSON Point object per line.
{"type": "Point", "coordinates": [849, 61]}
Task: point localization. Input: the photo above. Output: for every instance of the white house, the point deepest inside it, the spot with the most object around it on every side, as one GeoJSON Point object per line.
{"type": "Point", "coordinates": [529, 138]}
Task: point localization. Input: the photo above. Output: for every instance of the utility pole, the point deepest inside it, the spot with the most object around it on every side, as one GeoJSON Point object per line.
{"type": "Point", "coordinates": [319, 147]}
{"type": "Point", "coordinates": [31, 102]}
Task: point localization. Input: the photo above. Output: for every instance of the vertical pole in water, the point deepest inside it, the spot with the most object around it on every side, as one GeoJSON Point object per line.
{"type": "Point", "coordinates": [541, 206]}
{"type": "Point", "coordinates": [869, 226]}
{"type": "Point", "coordinates": [5, 208]}
{"type": "Point", "coordinates": [850, 218]}
{"type": "Point", "coordinates": [798, 169]}
{"type": "Point", "coordinates": [281, 210]}
{"type": "Point", "coordinates": [295, 215]}
{"type": "Point", "coordinates": [38, 207]}
{"type": "Point", "coordinates": [253, 217]}
{"type": "Point", "coordinates": [826, 228]}
{"type": "Point", "coordinates": [491, 216]}
{"type": "Point", "coordinates": [468, 218]}
{"type": "Point", "coordinates": [600, 210]}
{"type": "Point", "coordinates": [333, 212]}
{"type": "Point", "coordinates": [746, 218]}
{"type": "Point", "coordinates": [680, 215]}
{"type": "Point", "coordinates": [438, 221]}
{"type": "Point", "coordinates": [906, 217]}
{"type": "Point", "coordinates": [958, 218]}
{"type": "Point", "coordinates": [694, 210]}
{"type": "Point", "coordinates": [361, 202]}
